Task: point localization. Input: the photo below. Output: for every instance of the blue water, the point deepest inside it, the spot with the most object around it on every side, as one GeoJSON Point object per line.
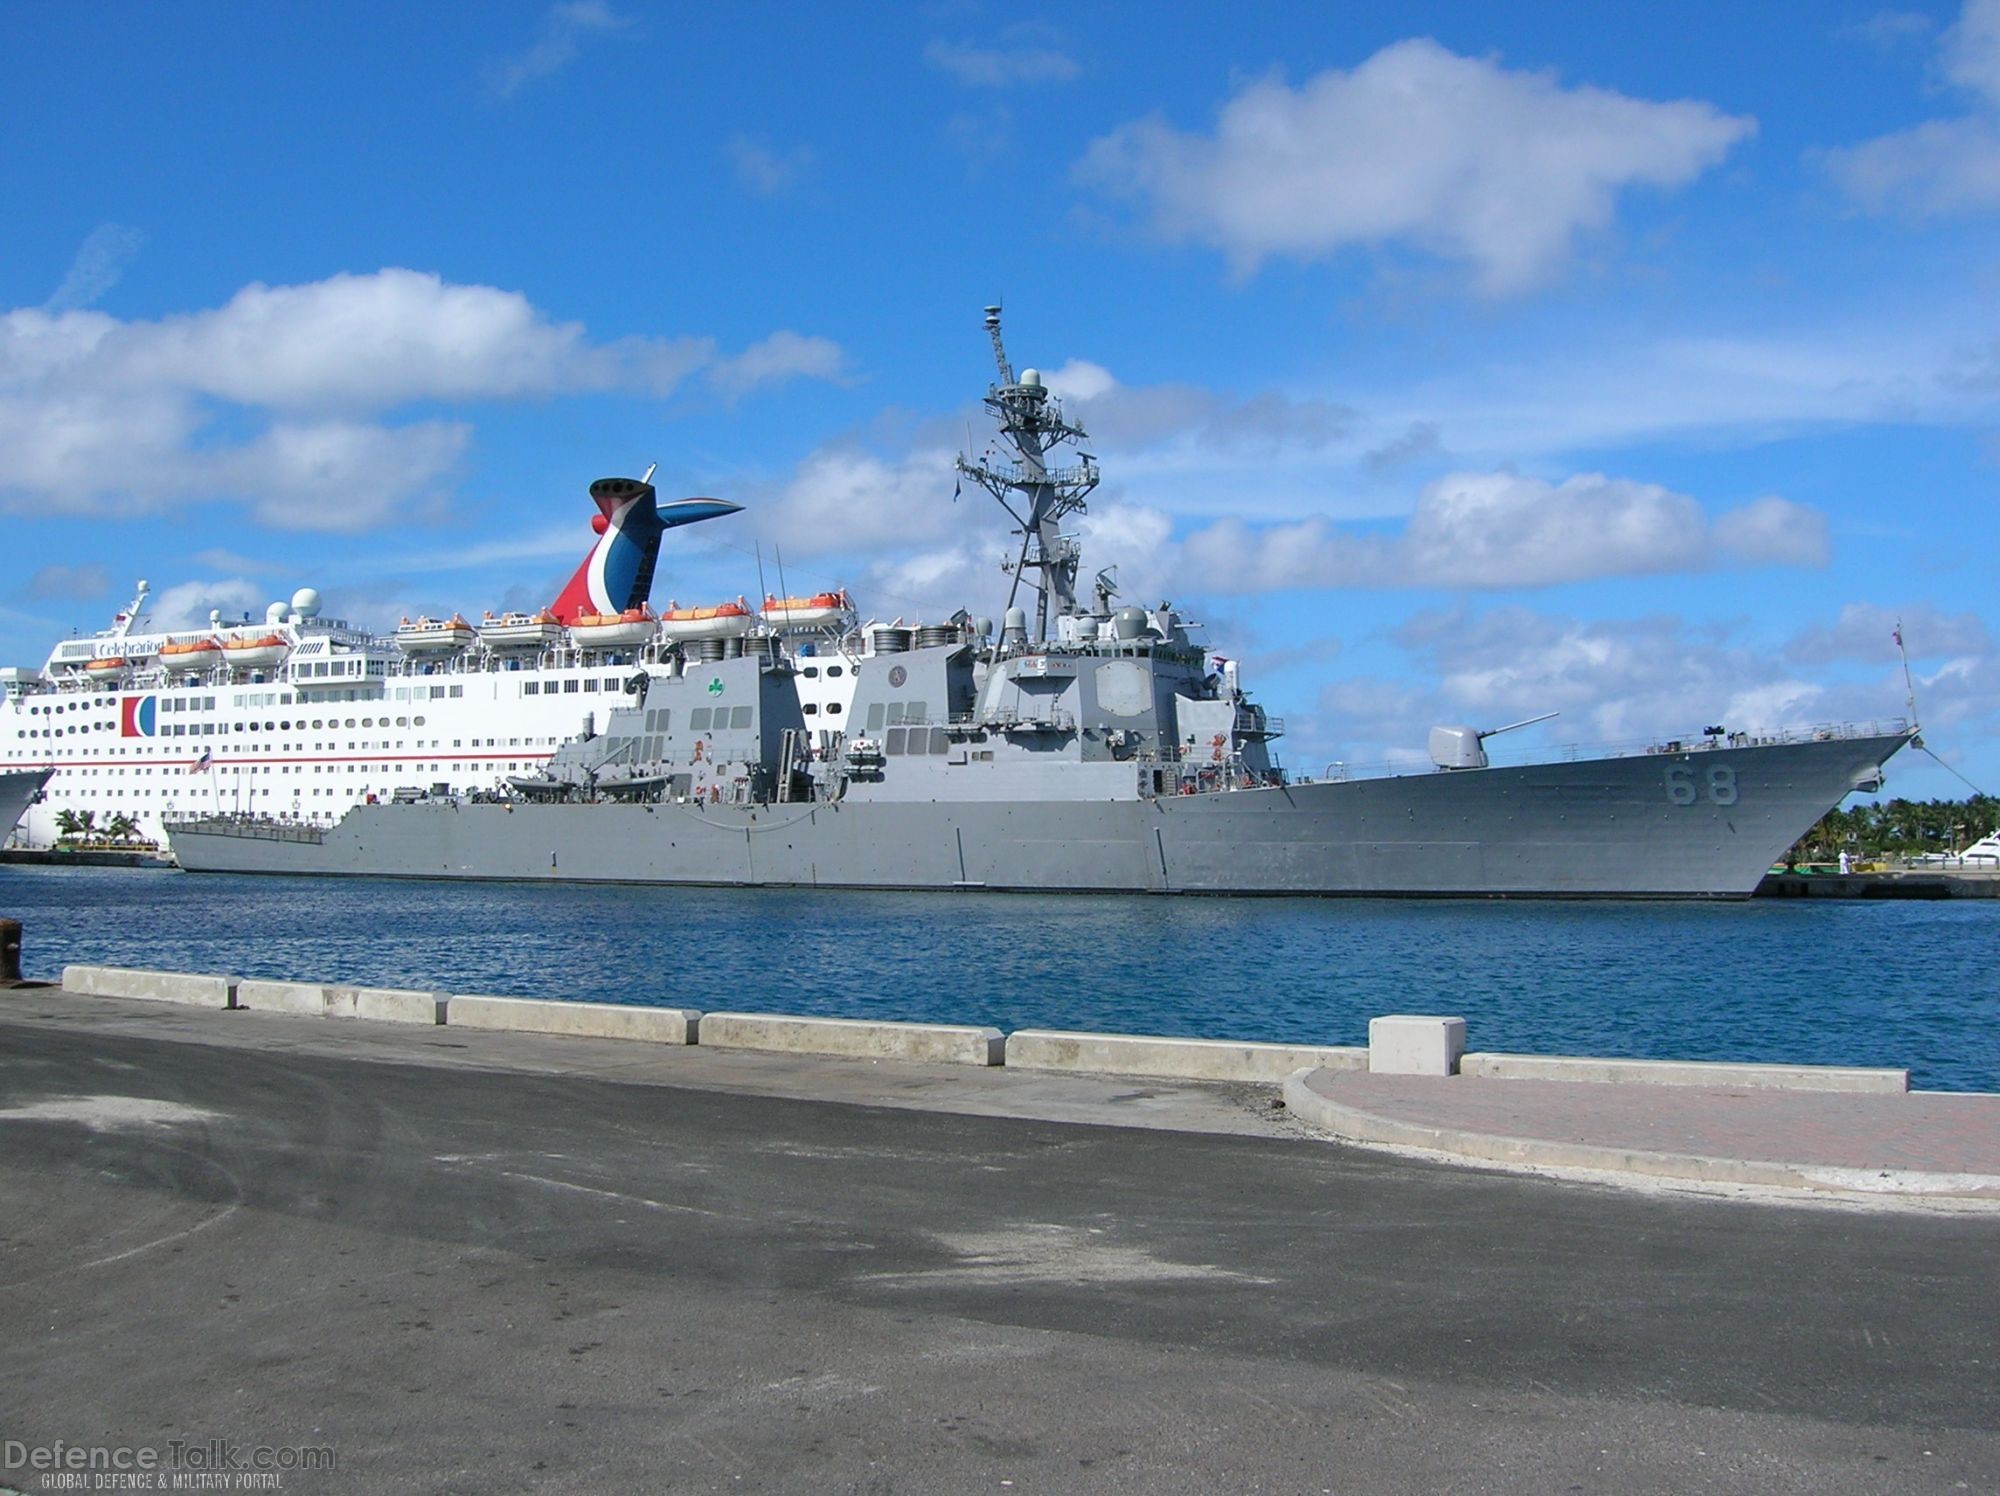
{"type": "Point", "coordinates": [1814, 981]}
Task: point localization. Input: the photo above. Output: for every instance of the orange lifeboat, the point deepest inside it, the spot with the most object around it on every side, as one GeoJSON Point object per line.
{"type": "Point", "coordinates": [519, 630]}
{"type": "Point", "coordinates": [431, 636]}
{"type": "Point", "coordinates": [106, 667]}
{"type": "Point", "coordinates": [255, 654]}
{"type": "Point", "coordinates": [817, 611]}
{"type": "Point", "coordinates": [192, 656]}
{"type": "Point", "coordinates": [724, 621]}
{"type": "Point", "coordinates": [613, 630]}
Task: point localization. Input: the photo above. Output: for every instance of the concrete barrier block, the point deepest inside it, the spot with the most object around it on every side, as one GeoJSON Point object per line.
{"type": "Point", "coordinates": [196, 990]}
{"type": "Point", "coordinates": [1851, 1079]}
{"type": "Point", "coordinates": [589, 1020]}
{"type": "Point", "coordinates": [281, 997]}
{"type": "Point", "coordinates": [1177, 1059]}
{"type": "Point", "coordinates": [387, 1004]}
{"type": "Point", "coordinates": [1413, 1044]}
{"type": "Point", "coordinates": [854, 1038]}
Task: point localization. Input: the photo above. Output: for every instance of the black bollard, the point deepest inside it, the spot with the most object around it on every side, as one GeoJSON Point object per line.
{"type": "Point", "coordinates": [10, 951]}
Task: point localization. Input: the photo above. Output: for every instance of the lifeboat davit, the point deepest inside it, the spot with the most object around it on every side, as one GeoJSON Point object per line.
{"type": "Point", "coordinates": [613, 630]}
{"type": "Point", "coordinates": [727, 621]}
{"type": "Point", "coordinates": [434, 636]}
{"type": "Point", "coordinates": [255, 654]}
{"type": "Point", "coordinates": [196, 654]}
{"type": "Point", "coordinates": [520, 630]}
{"type": "Point", "coordinates": [817, 611]}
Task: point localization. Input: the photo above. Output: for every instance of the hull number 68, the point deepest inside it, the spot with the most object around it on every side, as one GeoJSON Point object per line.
{"type": "Point", "coordinates": [1686, 784]}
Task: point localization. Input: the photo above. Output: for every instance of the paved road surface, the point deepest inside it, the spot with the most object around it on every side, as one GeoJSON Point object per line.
{"type": "Point", "coordinates": [485, 1278]}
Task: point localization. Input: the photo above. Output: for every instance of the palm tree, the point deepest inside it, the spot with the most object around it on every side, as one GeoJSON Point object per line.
{"type": "Point", "coordinates": [122, 827]}
{"type": "Point", "coordinates": [67, 825]}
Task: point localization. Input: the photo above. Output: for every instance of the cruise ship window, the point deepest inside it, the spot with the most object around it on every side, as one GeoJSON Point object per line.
{"type": "Point", "coordinates": [811, 672]}
{"type": "Point", "coordinates": [531, 688]}
{"type": "Point", "coordinates": [811, 708]}
{"type": "Point", "coordinates": [833, 709]}
{"type": "Point", "coordinates": [590, 684]}
{"type": "Point", "coordinates": [569, 688]}
{"type": "Point", "coordinates": [832, 671]}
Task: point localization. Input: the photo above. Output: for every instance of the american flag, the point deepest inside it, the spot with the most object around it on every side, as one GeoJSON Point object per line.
{"type": "Point", "coordinates": [200, 765]}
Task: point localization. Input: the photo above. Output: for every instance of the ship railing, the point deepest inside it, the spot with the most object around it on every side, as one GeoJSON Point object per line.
{"type": "Point", "coordinates": [1342, 770]}
{"type": "Point", "coordinates": [1013, 475]}
{"type": "Point", "coordinates": [252, 827]}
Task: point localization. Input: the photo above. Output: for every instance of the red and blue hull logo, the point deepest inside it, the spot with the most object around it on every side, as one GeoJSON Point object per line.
{"type": "Point", "coordinates": [136, 715]}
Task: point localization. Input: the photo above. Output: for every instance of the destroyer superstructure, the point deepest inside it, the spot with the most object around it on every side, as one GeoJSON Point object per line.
{"type": "Point", "coordinates": [1085, 745]}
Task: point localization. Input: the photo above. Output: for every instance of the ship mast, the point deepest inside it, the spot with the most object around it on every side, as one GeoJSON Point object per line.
{"type": "Point", "coordinates": [1035, 493]}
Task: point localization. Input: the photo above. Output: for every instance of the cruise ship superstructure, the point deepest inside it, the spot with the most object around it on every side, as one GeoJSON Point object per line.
{"type": "Point", "coordinates": [299, 716]}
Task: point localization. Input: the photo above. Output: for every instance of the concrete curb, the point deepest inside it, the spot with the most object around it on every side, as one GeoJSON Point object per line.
{"type": "Point", "coordinates": [1843, 1078]}
{"type": "Point", "coordinates": [330, 1000]}
{"type": "Point", "coordinates": [151, 986]}
{"type": "Point", "coordinates": [1172, 1059]}
{"type": "Point", "coordinates": [589, 1020]}
{"type": "Point", "coordinates": [854, 1038]}
{"type": "Point", "coordinates": [1355, 1125]}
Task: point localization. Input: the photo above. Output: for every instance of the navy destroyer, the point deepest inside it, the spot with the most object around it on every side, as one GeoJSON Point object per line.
{"type": "Point", "coordinates": [19, 788]}
{"type": "Point", "coordinates": [1080, 746]}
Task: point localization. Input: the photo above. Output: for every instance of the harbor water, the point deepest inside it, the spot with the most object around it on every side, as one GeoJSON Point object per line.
{"type": "Point", "coordinates": [1807, 981]}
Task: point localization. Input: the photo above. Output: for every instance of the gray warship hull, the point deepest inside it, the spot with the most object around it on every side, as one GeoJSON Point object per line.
{"type": "Point", "coordinates": [1700, 824]}
{"type": "Point", "coordinates": [18, 789]}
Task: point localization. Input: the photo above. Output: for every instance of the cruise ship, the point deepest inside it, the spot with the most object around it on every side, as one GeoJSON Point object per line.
{"type": "Point", "coordinates": [300, 716]}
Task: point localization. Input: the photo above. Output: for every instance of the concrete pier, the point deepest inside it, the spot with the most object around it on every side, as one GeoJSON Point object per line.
{"type": "Point", "coordinates": [482, 1260]}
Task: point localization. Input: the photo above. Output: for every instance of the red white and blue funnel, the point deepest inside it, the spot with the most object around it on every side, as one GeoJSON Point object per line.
{"type": "Point", "coordinates": [618, 573]}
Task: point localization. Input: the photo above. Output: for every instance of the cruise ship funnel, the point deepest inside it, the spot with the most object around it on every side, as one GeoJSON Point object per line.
{"type": "Point", "coordinates": [617, 575]}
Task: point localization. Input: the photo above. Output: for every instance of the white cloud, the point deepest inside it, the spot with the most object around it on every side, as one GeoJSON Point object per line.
{"type": "Point", "coordinates": [843, 498]}
{"type": "Point", "coordinates": [100, 260]}
{"type": "Point", "coordinates": [1937, 168]}
{"type": "Point", "coordinates": [1942, 166]}
{"type": "Point", "coordinates": [188, 605]}
{"type": "Point", "coordinates": [783, 356]}
{"type": "Point", "coordinates": [1148, 415]}
{"type": "Point", "coordinates": [1465, 159]}
{"type": "Point", "coordinates": [1501, 530]}
{"type": "Point", "coordinates": [68, 583]}
{"type": "Point", "coordinates": [359, 342]}
{"type": "Point", "coordinates": [564, 30]}
{"type": "Point", "coordinates": [1972, 49]}
{"type": "Point", "coordinates": [1024, 54]}
{"type": "Point", "coordinates": [279, 396]}
{"type": "Point", "coordinates": [1866, 631]}
{"type": "Point", "coordinates": [1773, 532]}
{"type": "Point", "coordinates": [765, 171]}
{"type": "Point", "coordinates": [1615, 681]}
{"type": "Point", "coordinates": [1890, 28]}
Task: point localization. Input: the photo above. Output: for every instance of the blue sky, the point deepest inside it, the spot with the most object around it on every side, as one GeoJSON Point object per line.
{"type": "Point", "coordinates": [1453, 362]}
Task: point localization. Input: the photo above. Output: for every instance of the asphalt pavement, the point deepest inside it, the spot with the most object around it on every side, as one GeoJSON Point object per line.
{"type": "Point", "coordinates": [497, 1262]}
